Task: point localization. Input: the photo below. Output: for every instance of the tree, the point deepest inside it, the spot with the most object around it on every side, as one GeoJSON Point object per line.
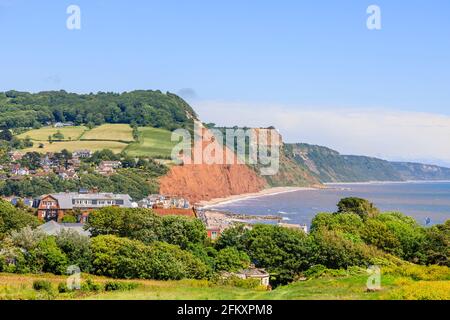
{"type": "Point", "coordinates": [58, 135]}
{"type": "Point", "coordinates": [77, 249]}
{"type": "Point", "coordinates": [5, 134]}
{"type": "Point", "coordinates": [12, 218]}
{"type": "Point", "coordinates": [232, 260]}
{"type": "Point", "coordinates": [361, 207]}
{"type": "Point", "coordinates": [125, 258]}
{"type": "Point", "coordinates": [282, 251]}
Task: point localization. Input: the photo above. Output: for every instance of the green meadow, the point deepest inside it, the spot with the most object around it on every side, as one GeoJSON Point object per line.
{"type": "Point", "coordinates": [152, 142]}
{"type": "Point", "coordinates": [393, 287]}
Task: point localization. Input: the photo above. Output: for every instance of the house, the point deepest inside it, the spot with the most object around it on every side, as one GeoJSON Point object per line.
{"type": "Point", "coordinates": [302, 227]}
{"type": "Point", "coordinates": [63, 124]}
{"type": "Point", "coordinates": [82, 153]}
{"type": "Point", "coordinates": [69, 174]}
{"type": "Point", "coordinates": [165, 202]}
{"type": "Point", "coordinates": [16, 169]}
{"type": "Point", "coordinates": [53, 228]}
{"type": "Point", "coordinates": [16, 155]}
{"type": "Point", "coordinates": [110, 164]}
{"type": "Point", "coordinates": [108, 167]}
{"type": "Point", "coordinates": [251, 273]}
{"type": "Point", "coordinates": [54, 206]}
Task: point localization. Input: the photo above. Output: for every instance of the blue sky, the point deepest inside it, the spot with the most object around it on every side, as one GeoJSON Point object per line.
{"type": "Point", "coordinates": [255, 55]}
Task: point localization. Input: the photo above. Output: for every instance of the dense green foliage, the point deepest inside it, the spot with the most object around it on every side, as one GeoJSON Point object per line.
{"type": "Point", "coordinates": [12, 218]}
{"type": "Point", "coordinates": [143, 108]}
{"type": "Point", "coordinates": [137, 183]}
{"type": "Point", "coordinates": [143, 225]}
{"type": "Point", "coordinates": [125, 258]}
{"type": "Point", "coordinates": [136, 243]}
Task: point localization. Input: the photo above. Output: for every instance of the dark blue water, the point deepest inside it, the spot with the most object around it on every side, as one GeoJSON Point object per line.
{"type": "Point", "coordinates": [420, 200]}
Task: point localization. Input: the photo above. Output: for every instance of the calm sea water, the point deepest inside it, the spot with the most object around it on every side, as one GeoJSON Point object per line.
{"type": "Point", "coordinates": [420, 200]}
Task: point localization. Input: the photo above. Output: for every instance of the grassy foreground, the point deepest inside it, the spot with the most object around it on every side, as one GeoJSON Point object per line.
{"type": "Point", "coordinates": [13, 286]}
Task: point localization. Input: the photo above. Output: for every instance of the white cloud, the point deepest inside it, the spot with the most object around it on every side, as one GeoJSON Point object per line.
{"type": "Point", "coordinates": [388, 134]}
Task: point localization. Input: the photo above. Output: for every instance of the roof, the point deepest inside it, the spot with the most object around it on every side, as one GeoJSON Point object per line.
{"type": "Point", "coordinates": [53, 228]}
{"type": "Point", "coordinates": [65, 199]}
{"type": "Point", "coordinates": [254, 272]}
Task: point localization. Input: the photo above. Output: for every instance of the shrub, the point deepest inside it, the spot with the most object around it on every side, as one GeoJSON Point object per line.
{"type": "Point", "coordinates": [418, 272]}
{"type": "Point", "coordinates": [422, 290]}
{"type": "Point", "coordinates": [91, 286]}
{"type": "Point", "coordinates": [120, 286]}
{"type": "Point", "coordinates": [42, 285]}
{"type": "Point", "coordinates": [63, 288]}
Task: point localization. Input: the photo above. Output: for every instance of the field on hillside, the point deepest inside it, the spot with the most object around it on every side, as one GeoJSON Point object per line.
{"type": "Point", "coordinates": [152, 142]}
{"type": "Point", "coordinates": [71, 146]}
{"type": "Point", "coordinates": [70, 133]}
{"type": "Point", "coordinates": [113, 132]}
{"type": "Point", "coordinates": [14, 286]}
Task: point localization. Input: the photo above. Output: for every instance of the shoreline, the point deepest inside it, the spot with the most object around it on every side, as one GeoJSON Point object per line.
{"type": "Point", "coordinates": [331, 184]}
{"type": "Point", "coordinates": [209, 204]}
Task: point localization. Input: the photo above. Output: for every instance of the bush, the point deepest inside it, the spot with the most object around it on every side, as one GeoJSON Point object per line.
{"type": "Point", "coordinates": [120, 286]}
{"type": "Point", "coordinates": [422, 290]}
{"type": "Point", "coordinates": [91, 286]}
{"type": "Point", "coordinates": [63, 288]}
{"type": "Point", "coordinates": [418, 272]}
{"type": "Point", "coordinates": [42, 285]}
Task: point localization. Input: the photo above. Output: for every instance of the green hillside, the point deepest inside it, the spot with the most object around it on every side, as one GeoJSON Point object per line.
{"type": "Point", "coordinates": [141, 107]}
{"type": "Point", "coordinates": [330, 166]}
{"type": "Point", "coordinates": [152, 142]}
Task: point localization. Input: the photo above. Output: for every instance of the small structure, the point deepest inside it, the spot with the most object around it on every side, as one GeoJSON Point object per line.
{"type": "Point", "coordinates": [251, 273]}
{"type": "Point", "coordinates": [302, 227]}
{"type": "Point", "coordinates": [108, 167]}
{"type": "Point", "coordinates": [82, 153]}
{"type": "Point", "coordinates": [53, 228]}
{"type": "Point", "coordinates": [63, 124]}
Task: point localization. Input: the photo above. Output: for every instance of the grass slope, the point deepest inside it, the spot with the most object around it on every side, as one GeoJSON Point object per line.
{"type": "Point", "coordinates": [13, 286]}
{"type": "Point", "coordinates": [110, 132]}
{"type": "Point", "coordinates": [153, 142]}
{"type": "Point", "coordinates": [70, 133]}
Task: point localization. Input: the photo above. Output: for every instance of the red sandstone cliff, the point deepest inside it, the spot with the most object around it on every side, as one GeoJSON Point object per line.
{"type": "Point", "coordinates": [204, 182]}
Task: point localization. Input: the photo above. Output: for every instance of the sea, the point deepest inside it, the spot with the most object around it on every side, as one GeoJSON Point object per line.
{"type": "Point", "coordinates": [426, 201]}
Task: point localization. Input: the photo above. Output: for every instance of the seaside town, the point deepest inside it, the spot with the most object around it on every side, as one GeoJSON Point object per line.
{"type": "Point", "coordinates": [71, 209]}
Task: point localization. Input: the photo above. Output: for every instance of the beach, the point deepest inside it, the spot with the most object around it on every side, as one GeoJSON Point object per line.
{"type": "Point", "coordinates": [263, 193]}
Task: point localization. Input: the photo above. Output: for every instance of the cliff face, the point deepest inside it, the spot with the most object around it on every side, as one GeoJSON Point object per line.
{"type": "Point", "coordinates": [205, 182]}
